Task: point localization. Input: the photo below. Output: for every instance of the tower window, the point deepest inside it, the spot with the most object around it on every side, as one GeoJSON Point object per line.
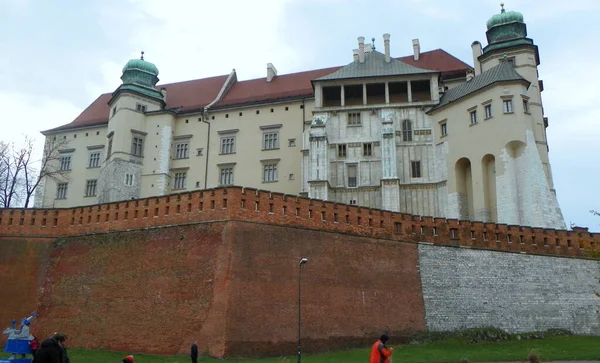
{"type": "Point", "coordinates": [444, 129]}
{"type": "Point", "coordinates": [473, 115]}
{"type": "Point", "coordinates": [526, 106]}
{"type": "Point", "coordinates": [180, 180]}
{"type": "Point", "coordinates": [415, 168]}
{"type": "Point", "coordinates": [507, 106]}
{"type": "Point", "coordinates": [141, 108]}
{"type": "Point", "coordinates": [488, 111]}
{"type": "Point", "coordinates": [129, 179]}
{"type": "Point", "coordinates": [137, 145]}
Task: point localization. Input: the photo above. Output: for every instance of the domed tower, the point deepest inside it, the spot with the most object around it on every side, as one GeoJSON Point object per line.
{"type": "Point", "coordinates": [508, 42]}
{"type": "Point", "coordinates": [120, 177]}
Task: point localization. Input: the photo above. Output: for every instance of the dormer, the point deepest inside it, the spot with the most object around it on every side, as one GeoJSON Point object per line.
{"type": "Point", "coordinates": [375, 80]}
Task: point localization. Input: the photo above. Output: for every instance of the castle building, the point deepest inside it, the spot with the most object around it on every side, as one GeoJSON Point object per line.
{"type": "Point", "coordinates": [425, 134]}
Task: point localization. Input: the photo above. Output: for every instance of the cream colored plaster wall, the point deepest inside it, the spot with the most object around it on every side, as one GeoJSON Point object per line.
{"type": "Point", "coordinates": [79, 140]}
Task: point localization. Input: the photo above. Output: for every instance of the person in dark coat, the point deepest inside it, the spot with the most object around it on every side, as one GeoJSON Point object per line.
{"type": "Point", "coordinates": [62, 340]}
{"type": "Point", "coordinates": [194, 353]}
{"type": "Point", "coordinates": [50, 351]}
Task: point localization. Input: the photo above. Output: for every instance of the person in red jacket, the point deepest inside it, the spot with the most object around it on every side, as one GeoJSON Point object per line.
{"type": "Point", "coordinates": [379, 352]}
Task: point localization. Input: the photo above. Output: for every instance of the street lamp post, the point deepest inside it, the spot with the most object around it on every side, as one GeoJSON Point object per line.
{"type": "Point", "coordinates": [302, 262]}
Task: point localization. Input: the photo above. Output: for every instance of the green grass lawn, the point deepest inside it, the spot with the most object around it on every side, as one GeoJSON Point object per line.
{"type": "Point", "coordinates": [448, 350]}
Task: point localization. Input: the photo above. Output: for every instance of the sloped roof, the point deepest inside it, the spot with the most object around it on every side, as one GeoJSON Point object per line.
{"type": "Point", "coordinates": [196, 94]}
{"type": "Point", "coordinates": [184, 96]}
{"type": "Point", "coordinates": [280, 87]}
{"type": "Point", "coordinates": [501, 73]}
{"type": "Point", "coordinates": [374, 66]}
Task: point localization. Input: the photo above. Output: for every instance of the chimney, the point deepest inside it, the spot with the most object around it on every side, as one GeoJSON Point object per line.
{"type": "Point", "coordinates": [476, 48]}
{"type": "Point", "coordinates": [470, 75]}
{"type": "Point", "coordinates": [361, 49]}
{"type": "Point", "coordinates": [164, 94]}
{"type": "Point", "coordinates": [386, 44]}
{"type": "Point", "coordinates": [416, 49]}
{"type": "Point", "coordinates": [271, 72]}
{"type": "Point", "coordinates": [355, 54]}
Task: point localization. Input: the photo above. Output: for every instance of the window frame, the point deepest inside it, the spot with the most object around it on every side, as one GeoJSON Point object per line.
{"type": "Point", "coordinates": [129, 179]}
{"type": "Point", "coordinates": [228, 172]}
{"type": "Point", "coordinates": [180, 180]}
{"type": "Point", "coordinates": [407, 132]}
{"type": "Point", "coordinates": [66, 161]}
{"type": "Point", "coordinates": [414, 163]}
{"type": "Point", "coordinates": [341, 151]}
{"type": "Point", "coordinates": [353, 119]}
{"type": "Point", "coordinates": [182, 149]}
{"type": "Point", "coordinates": [270, 140]}
{"type": "Point", "coordinates": [507, 102]}
{"type": "Point", "coordinates": [91, 184]}
{"type": "Point", "coordinates": [349, 183]}
{"type": "Point", "coordinates": [62, 190]}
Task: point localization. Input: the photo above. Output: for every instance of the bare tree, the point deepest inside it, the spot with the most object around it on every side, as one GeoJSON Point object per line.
{"type": "Point", "coordinates": [49, 166]}
{"type": "Point", "coordinates": [21, 174]}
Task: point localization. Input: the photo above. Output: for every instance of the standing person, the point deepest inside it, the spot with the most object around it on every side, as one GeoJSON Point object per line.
{"type": "Point", "coordinates": [50, 351]}
{"type": "Point", "coordinates": [194, 353]}
{"type": "Point", "coordinates": [379, 352]}
{"type": "Point", "coordinates": [62, 340]}
{"type": "Point", "coordinates": [34, 344]}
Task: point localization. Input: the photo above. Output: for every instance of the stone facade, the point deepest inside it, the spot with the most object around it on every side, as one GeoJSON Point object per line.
{"type": "Point", "coordinates": [467, 288]}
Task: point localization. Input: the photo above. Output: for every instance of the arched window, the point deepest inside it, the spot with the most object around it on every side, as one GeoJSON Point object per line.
{"type": "Point", "coordinates": [406, 130]}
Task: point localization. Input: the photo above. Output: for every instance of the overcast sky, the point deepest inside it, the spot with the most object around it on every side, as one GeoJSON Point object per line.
{"type": "Point", "coordinates": [57, 56]}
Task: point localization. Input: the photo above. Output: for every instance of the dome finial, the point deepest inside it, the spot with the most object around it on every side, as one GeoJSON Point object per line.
{"type": "Point", "coordinates": [142, 57]}
{"type": "Point", "coordinates": [373, 41]}
{"type": "Point", "coordinates": [502, 5]}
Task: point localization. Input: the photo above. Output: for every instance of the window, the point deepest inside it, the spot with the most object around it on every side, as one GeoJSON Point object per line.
{"type": "Point", "coordinates": [352, 172]}
{"type": "Point", "coordinates": [129, 179]}
{"type": "Point", "coordinates": [65, 162]}
{"type": "Point", "coordinates": [341, 151]}
{"type": "Point", "coordinates": [137, 145]}
{"type": "Point", "coordinates": [406, 130]}
{"type": "Point", "coordinates": [228, 145]}
{"type": "Point", "coordinates": [110, 142]}
{"type": "Point", "coordinates": [415, 169]}
{"type": "Point", "coordinates": [61, 190]}
{"type": "Point", "coordinates": [291, 142]}
{"type": "Point", "coordinates": [444, 129]}
{"type": "Point", "coordinates": [114, 110]}
{"type": "Point", "coordinates": [181, 150]}
{"type": "Point", "coordinates": [488, 111]}
{"type": "Point", "coordinates": [94, 161]}
{"type": "Point", "coordinates": [271, 140]}
{"type": "Point", "coordinates": [507, 106]}
{"type": "Point", "coordinates": [199, 152]}
{"type": "Point", "coordinates": [226, 176]}
{"type": "Point", "coordinates": [90, 188]}
{"type": "Point", "coordinates": [354, 119]}
{"type": "Point", "coordinates": [368, 149]}
{"type": "Point", "coordinates": [141, 108]}
{"type": "Point", "coordinates": [270, 173]}
{"type": "Point", "coordinates": [526, 106]}
{"type": "Point", "coordinates": [180, 180]}
{"type": "Point", "coordinates": [473, 115]}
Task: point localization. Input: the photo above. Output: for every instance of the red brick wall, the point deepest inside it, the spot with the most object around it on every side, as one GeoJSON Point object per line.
{"type": "Point", "coordinates": [22, 267]}
{"type": "Point", "coordinates": [141, 291]}
{"type": "Point", "coordinates": [354, 289]}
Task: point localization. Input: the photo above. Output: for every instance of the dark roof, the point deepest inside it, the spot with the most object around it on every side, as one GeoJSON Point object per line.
{"type": "Point", "coordinates": [374, 65]}
{"type": "Point", "coordinates": [195, 95]}
{"type": "Point", "coordinates": [501, 73]}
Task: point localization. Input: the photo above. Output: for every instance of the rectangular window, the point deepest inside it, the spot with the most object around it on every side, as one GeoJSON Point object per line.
{"type": "Point", "coordinates": [270, 173]}
{"type": "Point", "coordinates": [415, 169]}
{"type": "Point", "coordinates": [61, 190]}
{"type": "Point", "coordinates": [141, 108]}
{"type": "Point", "coordinates": [507, 106]}
{"type": "Point", "coordinates": [354, 119]}
{"type": "Point", "coordinates": [228, 145]}
{"type": "Point", "coordinates": [525, 106]}
{"type": "Point", "coordinates": [444, 129]}
{"type": "Point", "coordinates": [368, 149]}
{"type": "Point", "coordinates": [352, 176]}
{"type": "Point", "coordinates": [226, 177]}
{"type": "Point", "coordinates": [180, 180]}
{"type": "Point", "coordinates": [341, 150]}
{"type": "Point", "coordinates": [182, 150]}
{"type": "Point", "coordinates": [94, 161]}
{"type": "Point", "coordinates": [65, 162]}
{"type": "Point", "coordinates": [473, 117]}
{"type": "Point", "coordinates": [292, 142]}
{"type": "Point", "coordinates": [90, 188]}
{"type": "Point", "coordinates": [488, 111]}
{"type": "Point", "coordinates": [110, 142]}
{"type": "Point", "coordinates": [137, 145]}
{"type": "Point", "coordinates": [129, 179]}
{"type": "Point", "coordinates": [271, 140]}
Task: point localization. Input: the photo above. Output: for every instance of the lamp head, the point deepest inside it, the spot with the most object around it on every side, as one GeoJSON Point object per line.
{"type": "Point", "coordinates": [303, 261]}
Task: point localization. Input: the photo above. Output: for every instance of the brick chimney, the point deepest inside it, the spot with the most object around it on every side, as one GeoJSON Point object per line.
{"type": "Point", "coordinates": [361, 49]}
{"type": "Point", "coordinates": [271, 72]}
{"type": "Point", "coordinates": [386, 44]}
{"type": "Point", "coordinates": [416, 49]}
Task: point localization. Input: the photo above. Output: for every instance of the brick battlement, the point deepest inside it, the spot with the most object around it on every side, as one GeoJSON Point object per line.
{"type": "Point", "coordinates": [281, 209]}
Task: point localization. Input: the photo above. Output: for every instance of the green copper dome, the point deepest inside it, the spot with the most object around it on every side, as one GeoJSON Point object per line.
{"type": "Point", "coordinates": [141, 65]}
{"type": "Point", "coordinates": [504, 18]}
{"type": "Point", "coordinates": [141, 77]}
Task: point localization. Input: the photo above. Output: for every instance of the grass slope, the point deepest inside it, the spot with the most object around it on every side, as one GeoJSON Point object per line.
{"type": "Point", "coordinates": [447, 350]}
